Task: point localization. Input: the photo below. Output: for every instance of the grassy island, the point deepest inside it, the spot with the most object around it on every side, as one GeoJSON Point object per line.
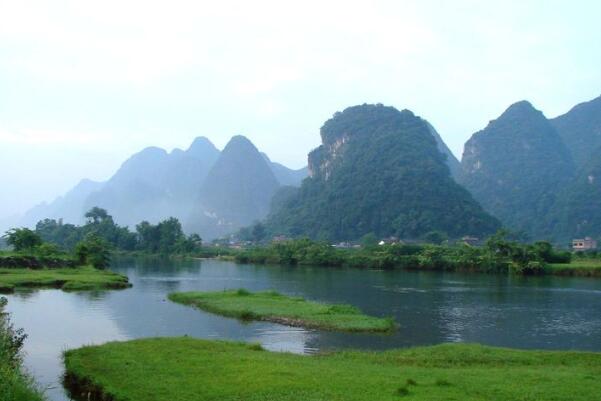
{"type": "Point", "coordinates": [292, 311]}
{"type": "Point", "coordinates": [68, 279]}
{"type": "Point", "coordinates": [178, 369]}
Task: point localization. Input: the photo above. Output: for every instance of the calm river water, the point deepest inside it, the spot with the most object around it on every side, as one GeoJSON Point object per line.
{"type": "Point", "coordinates": [534, 312]}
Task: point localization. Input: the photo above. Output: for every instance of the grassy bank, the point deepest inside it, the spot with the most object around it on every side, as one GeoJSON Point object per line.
{"type": "Point", "coordinates": [178, 369]}
{"type": "Point", "coordinates": [70, 279]}
{"type": "Point", "coordinates": [578, 267]}
{"type": "Point", "coordinates": [274, 307]}
{"type": "Point", "coordinates": [15, 385]}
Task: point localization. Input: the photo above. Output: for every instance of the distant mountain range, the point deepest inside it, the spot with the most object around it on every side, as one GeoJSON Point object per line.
{"type": "Point", "coordinates": [378, 170]}
{"type": "Point", "coordinates": [211, 192]}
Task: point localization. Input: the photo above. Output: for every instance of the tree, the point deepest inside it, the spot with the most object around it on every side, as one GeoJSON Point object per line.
{"type": "Point", "coordinates": [148, 236]}
{"type": "Point", "coordinates": [23, 239]}
{"type": "Point", "coordinates": [93, 250]}
{"type": "Point", "coordinates": [170, 232]}
{"type": "Point", "coordinates": [96, 215]}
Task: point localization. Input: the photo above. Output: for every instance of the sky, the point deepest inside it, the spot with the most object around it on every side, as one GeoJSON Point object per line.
{"type": "Point", "coordinates": [85, 84]}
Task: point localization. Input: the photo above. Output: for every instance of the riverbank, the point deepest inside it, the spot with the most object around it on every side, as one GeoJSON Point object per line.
{"type": "Point", "coordinates": [68, 279]}
{"type": "Point", "coordinates": [178, 369]}
{"type": "Point", "coordinates": [292, 311]}
{"type": "Point", "coordinates": [497, 256]}
{"type": "Point", "coordinates": [577, 267]}
{"type": "Point", "coordinates": [15, 384]}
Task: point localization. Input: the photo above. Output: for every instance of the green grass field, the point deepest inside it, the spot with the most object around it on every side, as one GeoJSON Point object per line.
{"type": "Point", "coordinates": [578, 267]}
{"type": "Point", "coordinates": [186, 369]}
{"type": "Point", "coordinates": [68, 279]}
{"type": "Point", "coordinates": [274, 307]}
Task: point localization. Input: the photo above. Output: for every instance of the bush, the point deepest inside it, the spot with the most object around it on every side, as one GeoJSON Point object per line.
{"type": "Point", "coordinates": [93, 250]}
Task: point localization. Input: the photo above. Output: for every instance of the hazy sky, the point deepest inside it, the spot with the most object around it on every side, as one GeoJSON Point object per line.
{"type": "Point", "coordinates": [85, 84]}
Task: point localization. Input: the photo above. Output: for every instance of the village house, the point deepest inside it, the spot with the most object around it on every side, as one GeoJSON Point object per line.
{"type": "Point", "coordinates": [584, 244]}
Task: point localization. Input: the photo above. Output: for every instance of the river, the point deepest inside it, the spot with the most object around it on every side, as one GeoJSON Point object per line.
{"type": "Point", "coordinates": [431, 307]}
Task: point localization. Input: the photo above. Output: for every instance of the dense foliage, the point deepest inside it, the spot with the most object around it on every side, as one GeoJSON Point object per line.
{"type": "Point", "coordinates": [499, 254]}
{"type": "Point", "coordinates": [580, 129]}
{"type": "Point", "coordinates": [100, 231]}
{"type": "Point", "coordinates": [577, 212]}
{"type": "Point", "coordinates": [378, 171]}
{"type": "Point", "coordinates": [539, 176]}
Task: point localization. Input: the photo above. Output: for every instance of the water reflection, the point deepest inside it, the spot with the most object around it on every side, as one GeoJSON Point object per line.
{"type": "Point", "coordinates": [539, 312]}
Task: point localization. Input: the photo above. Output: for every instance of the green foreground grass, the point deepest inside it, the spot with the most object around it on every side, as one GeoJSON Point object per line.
{"type": "Point", "coordinates": [68, 279]}
{"type": "Point", "coordinates": [292, 311]}
{"type": "Point", "coordinates": [15, 385]}
{"type": "Point", "coordinates": [185, 369]}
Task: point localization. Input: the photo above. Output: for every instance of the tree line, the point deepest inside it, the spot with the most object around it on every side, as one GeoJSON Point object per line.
{"type": "Point", "coordinates": [92, 242]}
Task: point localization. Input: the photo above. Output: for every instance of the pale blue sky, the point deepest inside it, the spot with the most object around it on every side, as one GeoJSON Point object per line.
{"type": "Point", "coordinates": [85, 84]}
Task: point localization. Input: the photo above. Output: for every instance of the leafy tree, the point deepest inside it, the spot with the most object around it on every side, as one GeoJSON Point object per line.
{"type": "Point", "coordinates": [23, 239]}
{"type": "Point", "coordinates": [97, 215]}
{"type": "Point", "coordinates": [65, 236]}
{"type": "Point", "coordinates": [170, 232]}
{"type": "Point", "coordinates": [94, 250]}
{"type": "Point", "coordinates": [148, 236]}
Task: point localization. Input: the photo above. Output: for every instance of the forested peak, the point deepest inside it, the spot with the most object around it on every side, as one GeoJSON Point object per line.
{"type": "Point", "coordinates": [521, 107]}
{"type": "Point", "coordinates": [521, 121]}
{"type": "Point", "coordinates": [580, 129]}
{"type": "Point", "coordinates": [362, 119]}
{"type": "Point", "coordinates": [520, 112]}
{"type": "Point", "coordinates": [585, 107]}
{"type": "Point", "coordinates": [378, 171]}
{"type": "Point", "coordinates": [202, 147]}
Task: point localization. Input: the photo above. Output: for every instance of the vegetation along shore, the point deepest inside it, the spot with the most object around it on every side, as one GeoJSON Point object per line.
{"type": "Point", "coordinates": [499, 254]}
{"type": "Point", "coordinates": [275, 307]}
{"type": "Point", "coordinates": [15, 384]}
{"type": "Point", "coordinates": [180, 369]}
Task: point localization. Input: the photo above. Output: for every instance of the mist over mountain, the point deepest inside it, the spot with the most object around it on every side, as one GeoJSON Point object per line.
{"type": "Point", "coordinates": [153, 185]}
{"type": "Point", "coordinates": [285, 175]}
{"type": "Point", "coordinates": [378, 170]}
{"type": "Point", "coordinates": [580, 129]}
{"type": "Point", "coordinates": [515, 166]}
{"type": "Point", "coordinates": [68, 207]}
{"type": "Point", "coordinates": [236, 192]}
